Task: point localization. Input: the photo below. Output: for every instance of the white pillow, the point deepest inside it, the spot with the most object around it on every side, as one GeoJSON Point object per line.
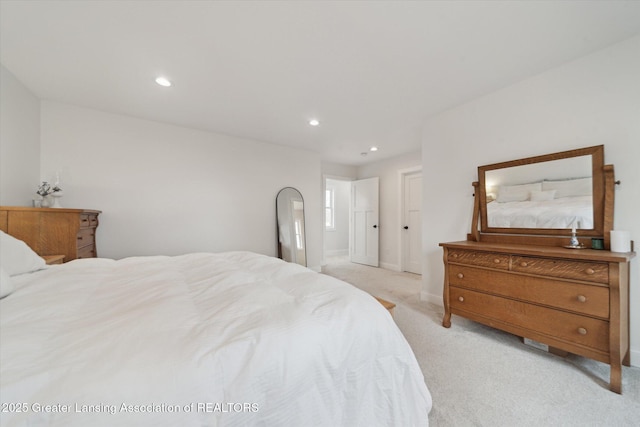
{"type": "Point", "coordinates": [516, 193]}
{"type": "Point", "coordinates": [16, 257]}
{"type": "Point", "coordinates": [6, 286]}
{"type": "Point", "coordinates": [570, 187]}
{"type": "Point", "coordinates": [541, 196]}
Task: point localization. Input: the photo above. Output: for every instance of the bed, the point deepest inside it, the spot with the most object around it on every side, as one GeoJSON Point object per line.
{"type": "Point", "coordinates": [202, 339]}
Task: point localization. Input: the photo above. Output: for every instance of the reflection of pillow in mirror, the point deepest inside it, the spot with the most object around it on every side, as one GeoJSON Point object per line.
{"type": "Point", "coordinates": [516, 193]}
{"type": "Point", "coordinates": [541, 196]}
{"type": "Point", "coordinates": [569, 187]}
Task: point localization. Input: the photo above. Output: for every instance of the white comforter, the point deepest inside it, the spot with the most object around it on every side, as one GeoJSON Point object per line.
{"type": "Point", "coordinates": [556, 213]}
{"type": "Point", "coordinates": [202, 340]}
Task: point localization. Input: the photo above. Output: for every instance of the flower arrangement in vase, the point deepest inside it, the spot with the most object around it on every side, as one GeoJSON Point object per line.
{"type": "Point", "coordinates": [46, 191]}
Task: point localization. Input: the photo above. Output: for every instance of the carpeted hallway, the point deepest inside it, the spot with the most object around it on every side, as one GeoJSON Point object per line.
{"type": "Point", "coordinates": [479, 376]}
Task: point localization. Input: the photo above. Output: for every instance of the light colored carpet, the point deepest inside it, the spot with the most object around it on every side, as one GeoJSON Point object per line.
{"type": "Point", "coordinates": [479, 376]}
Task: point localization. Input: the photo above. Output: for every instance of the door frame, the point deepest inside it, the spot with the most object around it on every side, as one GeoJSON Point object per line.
{"type": "Point", "coordinates": [402, 173]}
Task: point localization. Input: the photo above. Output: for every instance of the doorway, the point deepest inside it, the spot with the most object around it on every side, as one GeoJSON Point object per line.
{"type": "Point", "coordinates": [337, 198]}
{"type": "Point", "coordinates": [351, 220]}
{"type": "Point", "coordinates": [351, 231]}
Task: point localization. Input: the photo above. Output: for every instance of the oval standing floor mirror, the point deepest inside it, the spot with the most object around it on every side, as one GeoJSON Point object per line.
{"type": "Point", "coordinates": [290, 226]}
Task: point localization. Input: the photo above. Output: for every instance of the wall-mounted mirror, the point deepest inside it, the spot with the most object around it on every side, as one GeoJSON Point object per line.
{"type": "Point", "coordinates": [544, 194]}
{"type": "Point", "coordinates": [290, 226]}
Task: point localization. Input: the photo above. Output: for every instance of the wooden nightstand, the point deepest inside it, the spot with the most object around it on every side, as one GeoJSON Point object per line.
{"type": "Point", "coordinates": [388, 305]}
{"type": "Point", "coordinates": [53, 259]}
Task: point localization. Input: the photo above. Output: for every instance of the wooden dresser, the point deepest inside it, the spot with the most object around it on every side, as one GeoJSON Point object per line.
{"type": "Point", "coordinates": [49, 231]}
{"type": "Point", "coordinates": [526, 267]}
{"type": "Point", "coordinates": [573, 300]}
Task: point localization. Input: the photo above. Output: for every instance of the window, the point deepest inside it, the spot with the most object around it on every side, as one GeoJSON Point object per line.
{"type": "Point", "coordinates": [298, 235]}
{"type": "Point", "coordinates": [329, 209]}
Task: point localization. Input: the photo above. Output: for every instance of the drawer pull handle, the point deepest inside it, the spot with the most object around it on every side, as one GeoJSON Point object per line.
{"type": "Point", "coordinates": [582, 331]}
{"type": "Point", "coordinates": [460, 275]}
{"type": "Point", "coordinates": [455, 255]}
{"type": "Point", "coordinates": [461, 299]}
{"type": "Point", "coordinates": [582, 298]}
{"type": "Point", "coordinates": [523, 264]}
{"type": "Point", "coordinates": [590, 271]}
{"type": "Point", "coordinates": [496, 261]}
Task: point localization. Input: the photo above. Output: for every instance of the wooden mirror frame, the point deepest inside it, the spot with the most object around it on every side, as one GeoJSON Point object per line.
{"type": "Point", "coordinates": [602, 221]}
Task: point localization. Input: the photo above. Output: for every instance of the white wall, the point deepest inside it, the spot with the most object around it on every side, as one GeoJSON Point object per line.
{"type": "Point", "coordinates": [591, 101]}
{"type": "Point", "coordinates": [19, 142]}
{"type": "Point", "coordinates": [390, 203]}
{"type": "Point", "coordinates": [164, 189]}
{"type": "Point", "coordinates": [339, 171]}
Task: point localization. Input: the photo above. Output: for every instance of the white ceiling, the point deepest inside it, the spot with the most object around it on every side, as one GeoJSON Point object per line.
{"type": "Point", "coordinates": [371, 72]}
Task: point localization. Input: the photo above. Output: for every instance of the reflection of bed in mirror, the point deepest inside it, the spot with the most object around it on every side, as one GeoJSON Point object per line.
{"type": "Point", "coordinates": [546, 204]}
{"type": "Point", "coordinates": [557, 213]}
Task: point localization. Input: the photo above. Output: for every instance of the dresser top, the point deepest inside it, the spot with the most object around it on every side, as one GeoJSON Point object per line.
{"type": "Point", "coordinates": [63, 210]}
{"type": "Point", "coordinates": [543, 251]}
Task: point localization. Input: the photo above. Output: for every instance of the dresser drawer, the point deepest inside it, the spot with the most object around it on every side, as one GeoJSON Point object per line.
{"type": "Point", "coordinates": [86, 237]}
{"type": "Point", "coordinates": [93, 221]}
{"type": "Point", "coordinates": [87, 252]}
{"type": "Point", "coordinates": [85, 221]}
{"type": "Point", "coordinates": [569, 327]}
{"type": "Point", "coordinates": [596, 272]}
{"type": "Point", "coordinates": [483, 259]}
{"type": "Point", "coordinates": [583, 299]}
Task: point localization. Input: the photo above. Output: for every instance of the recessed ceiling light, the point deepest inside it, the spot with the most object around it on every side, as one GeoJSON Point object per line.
{"type": "Point", "coordinates": [373, 149]}
{"type": "Point", "coordinates": [163, 81]}
{"type": "Point", "coordinates": [314, 122]}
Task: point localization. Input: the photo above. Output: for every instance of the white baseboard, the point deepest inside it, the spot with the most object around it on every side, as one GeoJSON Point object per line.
{"type": "Point", "coordinates": [634, 355]}
{"type": "Point", "coordinates": [337, 252]}
{"type": "Point", "coordinates": [392, 267]}
{"type": "Point", "coordinates": [433, 299]}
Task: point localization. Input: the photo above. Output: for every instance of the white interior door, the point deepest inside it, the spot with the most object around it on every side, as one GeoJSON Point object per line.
{"type": "Point", "coordinates": [412, 229]}
{"type": "Point", "coordinates": [363, 242]}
